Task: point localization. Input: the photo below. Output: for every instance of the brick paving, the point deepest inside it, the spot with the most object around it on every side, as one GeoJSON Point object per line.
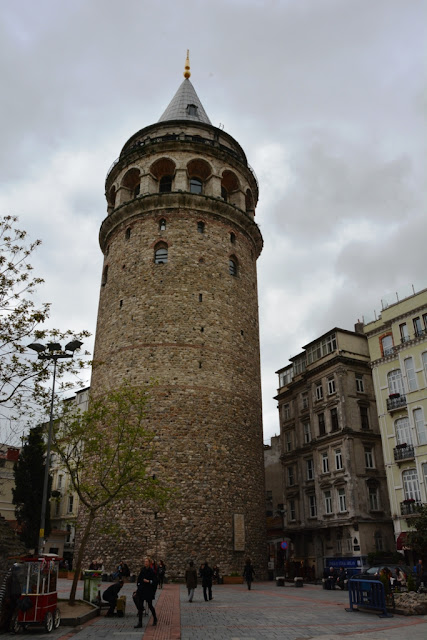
{"type": "Point", "coordinates": [266, 612]}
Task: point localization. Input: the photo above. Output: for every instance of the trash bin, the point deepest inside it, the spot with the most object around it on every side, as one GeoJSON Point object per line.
{"type": "Point", "coordinates": [91, 585]}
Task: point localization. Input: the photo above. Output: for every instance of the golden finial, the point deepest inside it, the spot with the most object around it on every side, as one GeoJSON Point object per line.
{"type": "Point", "coordinates": [187, 73]}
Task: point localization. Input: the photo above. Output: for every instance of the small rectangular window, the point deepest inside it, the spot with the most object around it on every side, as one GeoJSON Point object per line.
{"type": "Point", "coordinates": [310, 469]}
{"type": "Point", "coordinates": [418, 329]}
{"type": "Point", "coordinates": [410, 374]}
{"type": "Point", "coordinates": [342, 504]}
{"type": "Point", "coordinates": [286, 412]}
{"type": "Point", "coordinates": [70, 504]}
{"type": "Point", "coordinates": [288, 440]}
{"type": "Point", "coordinates": [364, 418]}
{"type": "Point", "coordinates": [322, 425]}
{"type": "Point", "coordinates": [420, 426]}
{"type": "Point", "coordinates": [291, 477]}
{"type": "Point", "coordinates": [338, 459]}
{"type": "Point", "coordinates": [304, 400]}
{"type": "Point", "coordinates": [404, 334]}
{"type": "Point", "coordinates": [307, 432]}
{"type": "Point", "coordinates": [360, 387]}
{"type": "Point", "coordinates": [373, 499]}
{"type": "Point", "coordinates": [331, 385]}
{"type": "Point", "coordinates": [328, 501]}
{"type": "Point", "coordinates": [369, 458]}
{"type": "Point", "coordinates": [387, 347]}
{"type": "Point", "coordinates": [325, 462]}
{"type": "Point", "coordinates": [313, 506]}
{"type": "Point", "coordinates": [319, 391]}
{"type": "Point", "coordinates": [334, 419]}
{"type": "Point", "coordinates": [292, 510]}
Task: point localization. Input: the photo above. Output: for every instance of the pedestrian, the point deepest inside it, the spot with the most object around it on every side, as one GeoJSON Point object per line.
{"type": "Point", "coordinates": [161, 571]}
{"type": "Point", "coordinates": [111, 595]}
{"type": "Point", "coordinates": [191, 580]}
{"type": "Point", "coordinates": [216, 576]}
{"type": "Point", "coordinates": [341, 578]}
{"type": "Point", "coordinates": [206, 575]}
{"type": "Point", "coordinates": [248, 573]}
{"type": "Point", "coordinates": [145, 590]}
{"type": "Point", "coordinates": [419, 571]}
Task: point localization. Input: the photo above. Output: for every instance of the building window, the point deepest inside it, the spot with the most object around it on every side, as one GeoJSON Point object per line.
{"type": "Point", "coordinates": [339, 543]}
{"type": "Point", "coordinates": [424, 467]}
{"type": "Point", "coordinates": [338, 460]}
{"type": "Point", "coordinates": [161, 254]}
{"type": "Point", "coordinates": [364, 418]}
{"type": "Point", "coordinates": [291, 477]}
{"type": "Point", "coordinates": [70, 504]}
{"type": "Point", "coordinates": [374, 503]}
{"type": "Point", "coordinates": [417, 327]}
{"type": "Point", "coordinates": [127, 233]}
{"type": "Point", "coordinates": [232, 267]}
{"type": "Point", "coordinates": [304, 400]}
{"type": "Point", "coordinates": [286, 411]}
{"type": "Point", "coordinates": [313, 506]}
{"type": "Point", "coordinates": [60, 479]}
{"type": "Point", "coordinates": [404, 335]}
{"type": "Point", "coordinates": [387, 345]}
{"type": "Point", "coordinates": [403, 431]}
{"type": "Point", "coordinates": [331, 385]}
{"type": "Point", "coordinates": [328, 501]}
{"type": "Point", "coordinates": [395, 382]}
{"type": "Point", "coordinates": [342, 504]}
{"type": "Point", "coordinates": [200, 227]}
{"type": "Point", "coordinates": [410, 485]}
{"type": "Point", "coordinates": [319, 391]}
{"type": "Point", "coordinates": [348, 543]}
{"type": "Point", "coordinates": [191, 110]}
{"type": "Point", "coordinates": [307, 432]}
{"type": "Point", "coordinates": [334, 419]}
{"type": "Point", "coordinates": [325, 462]}
{"type": "Point", "coordinates": [165, 184]}
{"type": "Point", "coordinates": [360, 387]}
{"type": "Point", "coordinates": [369, 458]}
{"type": "Point", "coordinates": [288, 440]}
{"type": "Point", "coordinates": [57, 507]}
{"type": "Point", "coordinates": [379, 546]}
{"type": "Point", "coordinates": [269, 496]}
{"type": "Point", "coordinates": [424, 359]}
{"type": "Point", "coordinates": [410, 374]}
{"type": "Point", "coordinates": [310, 469]}
{"type": "Point", "coordinates": [292, 510]}
{"type": "Point", "coordinates": [420, 426]}
{"type": "Point", "coordinates": [322, 425]}
{"type": "Point", "coordinates": [321, 348]}
{"type": "Point", "coordinates": [196, 185]}
{"type": "Point", "coordinates": [162, 225]}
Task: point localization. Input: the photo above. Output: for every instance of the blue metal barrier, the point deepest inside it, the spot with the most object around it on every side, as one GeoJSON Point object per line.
{"type": "Point", "coordinates": [369, 594]}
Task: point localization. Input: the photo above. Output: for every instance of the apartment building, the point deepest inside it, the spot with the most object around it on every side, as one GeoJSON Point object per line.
{"type": "Point", "coordinates": [336, 503]}
{"type": "Point", "coordinates": [398, 350]}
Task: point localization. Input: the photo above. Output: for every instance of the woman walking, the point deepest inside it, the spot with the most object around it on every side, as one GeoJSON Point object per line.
{"type": "Point", "coordinates": [248, 573]}
{"type": "Point", "coordinates": [146, 588]}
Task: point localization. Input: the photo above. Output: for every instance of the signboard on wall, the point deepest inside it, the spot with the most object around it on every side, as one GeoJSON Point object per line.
{"type": "Point", "coordinates": [239, 532]}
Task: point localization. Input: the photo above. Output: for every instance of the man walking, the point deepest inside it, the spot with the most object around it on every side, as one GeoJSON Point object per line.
{"type": "Point", "coordinates": [191, 580]}
{"type": "Point", "coordinates": [207, 574]}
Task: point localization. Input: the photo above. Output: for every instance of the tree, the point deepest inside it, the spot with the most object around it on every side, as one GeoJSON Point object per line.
{"type": "Point", "coordinates": [21, 321]}
{"type": "Point", "coordinates": [27, 495]}
{"type": "Point", "coordinates": [107, 451]}
{"type": "Point", "coordinates": [418, 539]}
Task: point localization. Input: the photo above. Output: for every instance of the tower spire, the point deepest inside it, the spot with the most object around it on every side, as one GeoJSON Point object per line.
{"type": "Point", "coordinates": [187, 73]}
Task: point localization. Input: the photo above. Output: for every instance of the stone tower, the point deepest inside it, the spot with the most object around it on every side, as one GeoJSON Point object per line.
{"type": "Point", "coordinates": [178, 304]}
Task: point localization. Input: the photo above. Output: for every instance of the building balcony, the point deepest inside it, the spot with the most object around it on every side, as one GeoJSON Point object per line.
{"type": "Point", "coordinates": [409, 507]}
{"type": "Point", "coordinates": [395, 402]}
{"type": "Point", "coordinates": [403, 452]}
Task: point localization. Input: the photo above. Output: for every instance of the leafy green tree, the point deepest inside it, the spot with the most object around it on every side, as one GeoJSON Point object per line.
{"type": "Point", "coordinates": [418, 539]}
{"type": "Point", "coordinates": [107, 451]}
{"type": "Point", "coordinates": [22, 375]}
{"type": "Point", "coordinates": [27, 495]}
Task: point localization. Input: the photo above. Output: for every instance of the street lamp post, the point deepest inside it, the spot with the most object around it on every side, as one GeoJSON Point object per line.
{"type": "Point", "coordinates": [54, 352]}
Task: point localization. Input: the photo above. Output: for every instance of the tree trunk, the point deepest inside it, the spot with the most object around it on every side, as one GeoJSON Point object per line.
{"type": "Point", "coordinates": [79, 561]}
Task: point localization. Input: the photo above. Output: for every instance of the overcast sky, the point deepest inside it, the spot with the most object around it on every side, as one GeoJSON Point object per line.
{"type": "Point", "coordinates": [327, 98]}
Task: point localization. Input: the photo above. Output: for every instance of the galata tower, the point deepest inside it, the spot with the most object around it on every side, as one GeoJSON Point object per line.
{"type": "Point", "coordinates": [179, 305]}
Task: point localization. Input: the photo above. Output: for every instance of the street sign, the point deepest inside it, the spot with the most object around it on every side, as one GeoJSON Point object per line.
{"type": "Point", "coordinates": [283, 545]}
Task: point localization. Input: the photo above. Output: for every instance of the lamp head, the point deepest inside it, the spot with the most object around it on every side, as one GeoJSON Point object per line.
{"type": "Point", "coordinates": [54, 346]}
{"type": "Point", "coordinates": [36, 346]}
{"type": "Point", "coordinates": [73, 345]}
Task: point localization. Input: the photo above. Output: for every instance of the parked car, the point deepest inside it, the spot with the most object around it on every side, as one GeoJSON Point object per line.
{"type": "Point", "coordinates": [374, 571]}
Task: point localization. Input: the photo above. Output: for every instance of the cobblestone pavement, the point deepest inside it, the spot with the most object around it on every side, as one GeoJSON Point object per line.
{"type": "Point", "coordinates": [266, 612]}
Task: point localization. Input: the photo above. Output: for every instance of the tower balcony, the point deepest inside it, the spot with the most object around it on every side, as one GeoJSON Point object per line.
{"type": "Point", "coordinates": [395, 402]}
{"type": "Point", "coordinates": [403, 452]}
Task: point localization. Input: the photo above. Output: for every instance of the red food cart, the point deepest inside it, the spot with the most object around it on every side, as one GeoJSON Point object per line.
{"type": "Point", "coordinates": [38, 603]}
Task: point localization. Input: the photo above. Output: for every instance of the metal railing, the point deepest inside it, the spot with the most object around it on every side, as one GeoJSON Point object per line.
{"type": "Point", "coordinates": [403, 452]}
{"type": "Point", "coordinates": [396, 403]}
{"type": "Point", "coordinates": [407, 507]}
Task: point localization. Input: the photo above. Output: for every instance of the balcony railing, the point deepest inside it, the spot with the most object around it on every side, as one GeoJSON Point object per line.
{"type": "Point", "coordinates": [402, 452]}
{"type": "Point", "coordinates": [408, 507]}
{"type": "Point", "coordinates": [394, 403]}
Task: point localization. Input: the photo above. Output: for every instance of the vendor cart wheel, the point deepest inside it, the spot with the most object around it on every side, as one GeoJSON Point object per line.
{"type": "Point", "coordinates": [48, 622]}
{"type": "Point", "coordinates": [14, 625]}
{"type": "Point", "coordinates": [56, 618]}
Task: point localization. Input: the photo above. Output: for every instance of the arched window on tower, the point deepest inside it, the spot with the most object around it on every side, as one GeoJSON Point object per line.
{"type": "Point", "coordinates": [224, 194]}
{"type": "Point", "coordinates": [161, 253]}
{"type": "Point", "coordinates": [233, 266]}
{"type": "Point", "coordinates": [162, 225]}
{"type": "Point", "coordinates": [201, 226]}
{"type": "Point", "coordinates": [229, 187]}
{"type": "Point", "coordinates": [131, 181]}
{"type": "Point", "coordinates": [196, 185]}
{"type": "Point", "coordinates": [127, 233]}
{"type": "Point", "coordinates": [249, 202]}
{"type": "Point", "coordinates": [232, 238]}
{"type": "Point", "coordinates": [104, 276]}
{"type": "Point", "coordinates": [165, 184]}
{"type": "Point", "coordinates": [198, 173]}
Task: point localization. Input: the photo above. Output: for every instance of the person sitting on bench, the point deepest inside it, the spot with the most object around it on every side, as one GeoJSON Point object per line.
{"type": "Point", "coordinates": [110, 595]}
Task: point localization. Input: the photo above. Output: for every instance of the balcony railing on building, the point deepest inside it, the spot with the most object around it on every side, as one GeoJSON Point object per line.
{"type": "Point", "coordinates": [403, 451]}
{"type": "Point", "coordinates": [409, 507]}
{"type": "Point", "coordinates": [395, 401]}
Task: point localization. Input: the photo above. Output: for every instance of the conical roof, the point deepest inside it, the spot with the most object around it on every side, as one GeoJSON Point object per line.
{"type": "Point", "coordinates": [185, 105]}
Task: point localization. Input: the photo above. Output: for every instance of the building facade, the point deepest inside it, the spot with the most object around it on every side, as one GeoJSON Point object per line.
{"type": "Point", "coordinates": [398, 349]}
{"type": "Point", "coordinates": [274, 505]}
{"type": "Point", "coordinates": [178, 305]}
{"type": "Point", "coordinates": [336, 503]}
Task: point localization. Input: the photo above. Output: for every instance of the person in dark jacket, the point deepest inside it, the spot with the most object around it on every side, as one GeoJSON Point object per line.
{"type": "Point", "coordinates": [145, 590]}
{"type": "Point", "coordinates": [248, 573]}
{"type": "Point", "coordinates": [191, 580]}
{"type": "Point", "coordinates": [111, 595]}
{"type": "Point", "coordinates": [161, 571]}
{"type": "Point", "coordinates": [206, 575]}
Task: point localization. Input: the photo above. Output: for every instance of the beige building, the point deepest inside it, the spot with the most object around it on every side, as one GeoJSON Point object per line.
{"type": "Point", "coordinates": [274, 505]}
{"type": "Point", "coordinates": [8, 457]}
{"type": "Point", "coordinates": [336, 503]}
{"type": "Point", "coordinates": [64, 501]}
{"type": "Point", "coordinates": [398, 349]}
